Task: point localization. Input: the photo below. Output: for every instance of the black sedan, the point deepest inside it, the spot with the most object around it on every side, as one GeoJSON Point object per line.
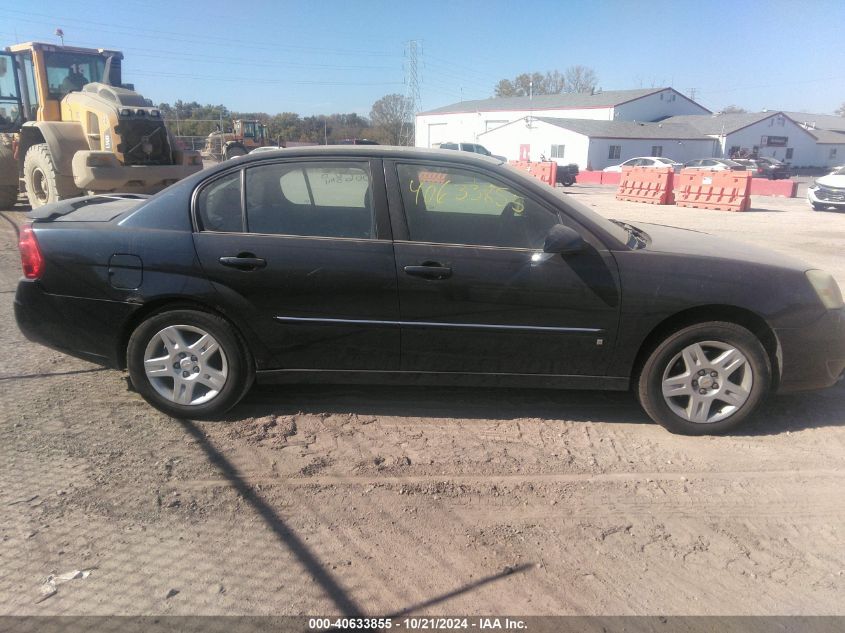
{"type": "Point", "coordinates": [765, 167]}
{"type": "Point", "coordinates": [384, 264]}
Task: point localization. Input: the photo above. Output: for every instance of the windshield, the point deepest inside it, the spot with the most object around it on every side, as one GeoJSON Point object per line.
{"type": "Point", "coordinates": [68, 72]}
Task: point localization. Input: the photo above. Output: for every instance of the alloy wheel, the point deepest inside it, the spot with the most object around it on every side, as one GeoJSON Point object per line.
{"type": "Point", "coordinates": [707, 382]}
{"type": "Point", "coordinates": [185, 365]}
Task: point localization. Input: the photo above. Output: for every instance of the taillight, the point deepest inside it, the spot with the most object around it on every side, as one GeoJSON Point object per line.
{"type": "Point", "coordinates": [31, 258]}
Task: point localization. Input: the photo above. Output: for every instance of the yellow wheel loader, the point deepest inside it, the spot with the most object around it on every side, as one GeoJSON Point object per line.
{"type": "Point", "coordinates": [244, 137]}
{"type": "Point", "coordinates": [69, 126]}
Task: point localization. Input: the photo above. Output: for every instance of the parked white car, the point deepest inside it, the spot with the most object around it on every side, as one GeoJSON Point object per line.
{"type": "Point", "coordinates": [645, 161]}
{"type": "Point", "coordinates": [828, 191]}
{"type": "Point", "coordinates": [715, 164]}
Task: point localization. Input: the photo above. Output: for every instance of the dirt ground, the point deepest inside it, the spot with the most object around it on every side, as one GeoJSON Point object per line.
{"type": "Point", "coordinates": [349, 500]}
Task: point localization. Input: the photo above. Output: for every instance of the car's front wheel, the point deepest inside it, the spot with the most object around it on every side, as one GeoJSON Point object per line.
{"type": "Point", "coordinates": [818, 207]}
{"type": "Point", "coordinates": [188, 363]}
{"type": "Point", "coordinates": [706, 378]}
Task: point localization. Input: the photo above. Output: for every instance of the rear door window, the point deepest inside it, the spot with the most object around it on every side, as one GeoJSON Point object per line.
{"type": "Point", "coordinates": [219, 205]}
{"type": "Point", "coordinates": [320, 199]}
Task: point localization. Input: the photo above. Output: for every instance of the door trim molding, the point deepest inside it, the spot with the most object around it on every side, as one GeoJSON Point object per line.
{"type": "Point", "coordinates": [479, 326]}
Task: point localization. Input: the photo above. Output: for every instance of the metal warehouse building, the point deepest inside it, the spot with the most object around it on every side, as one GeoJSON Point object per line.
{"type": "Point", "coordinates": [771, 134]}
{"type": "Point", "coordinates": [595, 144]}
{"type": "Point", "coordinates": [465, 121]}
{"type": "Point", "coordinates": [599, 129]}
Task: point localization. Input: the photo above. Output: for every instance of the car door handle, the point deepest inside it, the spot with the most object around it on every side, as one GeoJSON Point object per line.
{"type": "Point", "coordinates": [429, 271]}
{"type": "Point", "coordinates": [244, 261]}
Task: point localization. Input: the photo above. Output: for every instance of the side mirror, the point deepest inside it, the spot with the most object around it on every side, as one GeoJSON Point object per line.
{"type": "Point", "coordinates": [564, 240]}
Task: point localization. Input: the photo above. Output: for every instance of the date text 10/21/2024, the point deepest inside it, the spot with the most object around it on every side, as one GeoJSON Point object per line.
{"type": "Point", "coordinates": [418, 624]}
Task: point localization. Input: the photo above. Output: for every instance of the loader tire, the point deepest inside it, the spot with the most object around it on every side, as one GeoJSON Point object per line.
{"type": "Point", "coordinates": [8, 197]}
{"type": "Point", "coordinates": [8, 178]}
{"type": "Point", "coordinates": [43, 182]}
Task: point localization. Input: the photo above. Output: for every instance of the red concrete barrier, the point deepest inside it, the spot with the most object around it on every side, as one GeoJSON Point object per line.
{"type": "Point", "coordinates": [766, 187]}
{"type": "Point", "coordinates": [589, 177]}
{"type": "Point", "coordinates": [547, 171]}
{"type": "Point", "coordinates": [721, 190]}
{"type": "Point", "coordinates": [652, 185]}
{"type": "Point", "coordinates": [610, 177]}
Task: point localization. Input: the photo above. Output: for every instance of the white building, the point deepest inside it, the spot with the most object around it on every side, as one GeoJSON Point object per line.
{"type": "Point", "coordinates": [595, 144]}
{"type": "Point", "coordinates": [829, 131]}
{"type": "Point", "coordinates": [467, 120]}
{"type": "Point", "coordinates": [770, 134]}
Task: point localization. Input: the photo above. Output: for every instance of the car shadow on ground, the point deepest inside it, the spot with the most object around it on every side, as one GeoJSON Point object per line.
{"type": "Point", "coordinates": [780, 414]}
{"type": "Point", "coordinates": [306, 555]}
{"type": "Point", "coordinates": [461, 403]}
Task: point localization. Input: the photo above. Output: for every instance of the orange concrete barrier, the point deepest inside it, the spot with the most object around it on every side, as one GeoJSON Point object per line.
{"type": "Point", "coordinates": [765, 187]}
{"type": "Point", "coordinates": [590, 177]}
{"type": "Point", "coordinates": [652, 185]}
{"type": "Point", "coordinates": [721, 190]}
{"type": "Point", "coordinates": [610, 177]}
{"type": "Point", "coordinates": [547, 172]}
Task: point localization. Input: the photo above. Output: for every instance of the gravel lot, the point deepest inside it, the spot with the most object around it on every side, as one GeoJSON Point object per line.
{"type": "Point", "coordinates": [441, 501]}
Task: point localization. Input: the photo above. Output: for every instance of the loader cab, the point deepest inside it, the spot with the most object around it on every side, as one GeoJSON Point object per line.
{"type": "Point", "coordinates": [48, 73]}
{"type": "Point", "coordinates": [12, 114]}
{"type": "Point", "coordinates": [251, 133]}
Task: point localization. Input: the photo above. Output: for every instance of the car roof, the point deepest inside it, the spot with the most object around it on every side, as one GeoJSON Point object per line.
{"type": "Point", "coordinates": [361, 151]}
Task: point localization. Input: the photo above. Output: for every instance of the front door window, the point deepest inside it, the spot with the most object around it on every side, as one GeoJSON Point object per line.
{"type": "Point", "coordinates": [451, 205]}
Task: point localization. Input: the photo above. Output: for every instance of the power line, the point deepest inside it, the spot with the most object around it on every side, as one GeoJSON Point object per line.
{"type": "Point", "coordinates": [263, 80]}
{"type": "Point", "coordinates": [105, 27]}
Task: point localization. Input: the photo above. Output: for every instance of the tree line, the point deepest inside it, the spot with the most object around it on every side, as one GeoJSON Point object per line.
{"type": "Point", "coordinates": [384, 124]}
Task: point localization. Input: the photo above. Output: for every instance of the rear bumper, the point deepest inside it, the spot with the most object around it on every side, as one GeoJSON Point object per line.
{"type": "Point", "coordinates": [813, 357]}
{"type": "Point", "coordinates": [85, 328]}
{"type": "Point", "coordinates": [132, 179]}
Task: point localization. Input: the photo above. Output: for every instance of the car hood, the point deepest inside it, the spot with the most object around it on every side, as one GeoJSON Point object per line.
{"type": "Point", "coordinates": [832, 181]}
{"type": "Point", "coordinates": [687, 242]}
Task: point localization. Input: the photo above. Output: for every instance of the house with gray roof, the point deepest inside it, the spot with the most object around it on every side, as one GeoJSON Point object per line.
{"type": "Point", "coordinates": [772, 134]}
{"type": "Point", "coordinates": [596, 144]}
{"type": "Point", "coordinates": [467, 120]}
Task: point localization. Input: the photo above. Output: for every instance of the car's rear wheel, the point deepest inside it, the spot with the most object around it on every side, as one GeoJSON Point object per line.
{"type": "Point", "coordinates": [189, 364]}
{"type": "Point", "coordinates": [706, 378]}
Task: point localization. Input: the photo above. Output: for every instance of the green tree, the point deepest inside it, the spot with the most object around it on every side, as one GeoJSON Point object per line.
{"type": "Point", "coordinates": [388, 116]}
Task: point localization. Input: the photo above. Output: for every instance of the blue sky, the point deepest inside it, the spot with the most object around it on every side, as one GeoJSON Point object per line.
{"type": "Point", "coordinates": [324, 57]}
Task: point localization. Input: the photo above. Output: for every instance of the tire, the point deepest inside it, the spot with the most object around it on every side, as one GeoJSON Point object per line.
{"type": "Point", "coordinates": [8, 197]}
{"type": "Point", "coordinates": [42, 180]}
{"type": "Point", "coordinates": [818, 207]}
{"type": "Point", "coordinates": [568, 181]}
{"type": "Point", "coordinates": [234, 150]}
{"type": "Point", "coordinates": [8, 177]}
{"type": "Point", "coordinates": [198, 388]}
{"type": "Point", "coordinates": [743, 376]}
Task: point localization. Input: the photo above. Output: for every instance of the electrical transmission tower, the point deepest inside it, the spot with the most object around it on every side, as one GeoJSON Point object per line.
{"type": "Point", "coordinates": [413, 51]}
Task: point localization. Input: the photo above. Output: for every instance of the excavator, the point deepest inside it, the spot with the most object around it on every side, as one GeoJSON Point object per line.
{"type": "Point", "coordinates": [69, 126]}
